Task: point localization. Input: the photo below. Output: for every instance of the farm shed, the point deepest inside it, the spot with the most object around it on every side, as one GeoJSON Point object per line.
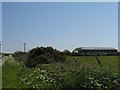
{"type": "Point", "coordinates": [95, 50]}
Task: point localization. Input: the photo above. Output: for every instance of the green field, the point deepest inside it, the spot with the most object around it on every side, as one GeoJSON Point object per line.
{"type": "Point", "coordinates": [106, 61]}
{"type": "Point", "coordinates": [61, 75]}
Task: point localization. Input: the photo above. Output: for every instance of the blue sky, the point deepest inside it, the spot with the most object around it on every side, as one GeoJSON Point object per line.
{"type": "Point", "coordinates": [60, 0]}
{"type": "Point", "coordinates": [61, 25]}
{"type": "Point", "coordinates": [0, 21]}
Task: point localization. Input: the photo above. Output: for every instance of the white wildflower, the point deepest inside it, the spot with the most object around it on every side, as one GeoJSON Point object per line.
{"type": "Point", "coordinates": [43, 71]}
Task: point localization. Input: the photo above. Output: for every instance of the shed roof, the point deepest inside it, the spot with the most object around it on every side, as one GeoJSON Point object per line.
{"type": "Point", "coordinates": [98, 48]}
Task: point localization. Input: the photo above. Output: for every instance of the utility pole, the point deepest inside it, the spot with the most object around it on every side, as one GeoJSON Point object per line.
{"type": "Point", "coordinates": [24, 47]}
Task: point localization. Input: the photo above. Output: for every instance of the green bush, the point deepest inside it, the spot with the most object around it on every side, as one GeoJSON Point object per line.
{"type": "Point", "coordinates": [37, 60]}
{"type": "Point", "coordinates": [20, 56]}
{"type": "Point", "coordinates": [66, 52]}
{"type": "Point", "coordinates": [43, 77]}
{"type": "Point", "coordinates": [41, 55]}
{"type": "Point", "coordinates": [98, 79]}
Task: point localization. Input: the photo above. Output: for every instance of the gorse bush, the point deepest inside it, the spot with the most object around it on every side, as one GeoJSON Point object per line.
{"type": "Point", "coordinates": [20, 56]}
{"type": "Point", "coordinates": [42, 55]}
{"type": "Point", "coordinates": [33, 62]}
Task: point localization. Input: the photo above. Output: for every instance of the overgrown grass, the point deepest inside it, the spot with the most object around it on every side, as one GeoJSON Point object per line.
{"type": "Point", "coordinates": [10, 73]}
{"type": "Point", "coordinates": [77, 72]}
{"type": "Point", "coordinates": [0, 77]}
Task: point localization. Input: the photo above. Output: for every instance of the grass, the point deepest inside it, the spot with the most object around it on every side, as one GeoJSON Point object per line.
{"type": "Point", "coordinates": [53, 75]}
{"type": "Point", "coordinates": [106, 61]}
{"type": "Point", "coordinates": [109, 61]}
{"type": "Point", "coordinates": [0, 77]}
{"type": "Point", "coordinates": [10, 73]}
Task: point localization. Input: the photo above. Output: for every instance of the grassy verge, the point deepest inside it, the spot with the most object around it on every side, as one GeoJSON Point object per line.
{"type": "Point", "coordinates": [10, 73]}
{"type": "Point", "coordinates": [77, 72]}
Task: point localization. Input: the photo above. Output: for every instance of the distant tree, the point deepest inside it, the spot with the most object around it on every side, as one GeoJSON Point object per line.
{"type": "Point", "coordinates": [66, 52]}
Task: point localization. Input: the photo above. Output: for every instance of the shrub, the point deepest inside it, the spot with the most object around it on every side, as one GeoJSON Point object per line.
{"type": "Point", "coordinates": [18, 53]}
{"type": "Point", "coordinates": [66, 52]}
{"type": "Point", "coordinates": [41, 55]}
{"type": "Point", "coordinates": [98, 79]}
{"type": "Point", "coordinates": [20, 56]}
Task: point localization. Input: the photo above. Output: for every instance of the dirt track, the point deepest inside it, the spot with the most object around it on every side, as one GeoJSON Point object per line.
{"type": "Point", "coordinates": [3, 59]}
